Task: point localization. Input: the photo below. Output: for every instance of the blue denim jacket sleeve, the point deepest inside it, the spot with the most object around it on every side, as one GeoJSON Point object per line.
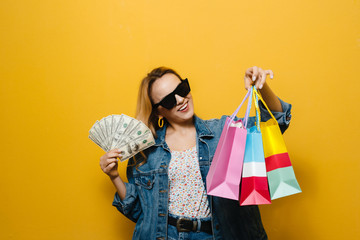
{"type": "Point", "coordinates": [130, 205]}
{"type": "Point", "coordinates": [283, 118]}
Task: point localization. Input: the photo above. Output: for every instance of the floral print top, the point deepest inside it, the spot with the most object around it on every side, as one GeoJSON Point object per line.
{"type": "Point", "coordinates": [188, 196]}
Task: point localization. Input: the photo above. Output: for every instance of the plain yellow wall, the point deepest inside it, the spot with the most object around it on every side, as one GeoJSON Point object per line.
{"type": "Point", "coordinates": [65, 64]}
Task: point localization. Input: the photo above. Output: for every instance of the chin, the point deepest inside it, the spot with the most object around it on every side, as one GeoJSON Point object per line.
{"type": "Point", "coordinates": [187, 115]}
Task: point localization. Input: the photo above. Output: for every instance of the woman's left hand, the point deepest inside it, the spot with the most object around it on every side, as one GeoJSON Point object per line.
{"type": "Point", "coordinates": [256, 76]}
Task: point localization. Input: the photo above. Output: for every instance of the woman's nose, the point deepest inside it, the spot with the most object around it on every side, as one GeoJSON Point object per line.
{"type": "Point", "coordinates": [179, 99]}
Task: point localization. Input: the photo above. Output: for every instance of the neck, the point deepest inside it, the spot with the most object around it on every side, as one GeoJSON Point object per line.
{"type": "Point", "coordinates": [180, 127]}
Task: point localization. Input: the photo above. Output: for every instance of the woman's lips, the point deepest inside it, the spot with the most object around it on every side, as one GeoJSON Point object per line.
{"type": "Point", "coordinates": [184, 108]}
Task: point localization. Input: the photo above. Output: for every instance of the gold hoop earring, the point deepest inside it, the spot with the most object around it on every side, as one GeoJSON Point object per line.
{"type": "Point", "coordinates": [161, 122]}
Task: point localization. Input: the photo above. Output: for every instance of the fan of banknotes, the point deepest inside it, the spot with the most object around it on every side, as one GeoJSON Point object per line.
{"type": "Point", "coordinates": [123, 132]}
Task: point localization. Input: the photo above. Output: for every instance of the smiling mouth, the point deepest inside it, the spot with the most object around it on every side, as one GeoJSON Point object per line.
{"type": "Point", "coordinates": [184, 106]}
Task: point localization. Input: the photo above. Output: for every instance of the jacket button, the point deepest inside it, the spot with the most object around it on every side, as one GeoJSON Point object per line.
{"type": "Point", "coordinates": [217, 227]}
{"type": "Point", "coordinates": [148, 183]}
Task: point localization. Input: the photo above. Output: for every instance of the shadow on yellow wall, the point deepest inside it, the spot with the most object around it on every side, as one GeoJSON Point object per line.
{"type": "Point", "coordinates": [65, 64]}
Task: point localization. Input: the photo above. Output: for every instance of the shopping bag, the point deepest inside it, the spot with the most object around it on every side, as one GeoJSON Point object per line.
{"type": "Point", "coordinates": [254, 183]}
{"type": "Point", "coordinates": [280, 173]}
{"type": "Point", "coordinates": [223, 179]}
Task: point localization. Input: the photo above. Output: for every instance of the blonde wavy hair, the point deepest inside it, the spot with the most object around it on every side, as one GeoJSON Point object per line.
{"type": "Point", "coordinates": [144, 110]}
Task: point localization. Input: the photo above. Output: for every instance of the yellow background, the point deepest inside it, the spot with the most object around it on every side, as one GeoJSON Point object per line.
{"type": "Point", "coordinates": [65, 64]}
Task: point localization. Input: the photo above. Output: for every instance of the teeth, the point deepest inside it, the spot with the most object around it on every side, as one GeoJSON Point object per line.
{"type": "Point", "coordinates": [183, 107]}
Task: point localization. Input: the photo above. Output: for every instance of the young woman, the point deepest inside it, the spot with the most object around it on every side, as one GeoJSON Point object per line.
{"type": "Point", "coordinates": [166, 193]}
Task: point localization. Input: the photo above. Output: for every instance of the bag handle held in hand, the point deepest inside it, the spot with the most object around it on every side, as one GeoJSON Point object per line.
{"type": "Point", "coordinates": [246, 118]}
{"type": "Point", "coordinates": [262, 100]}
{"type": "Point", "coordinates": [237, 110]}
{"type": "Point", "coordinates": [257, 109]}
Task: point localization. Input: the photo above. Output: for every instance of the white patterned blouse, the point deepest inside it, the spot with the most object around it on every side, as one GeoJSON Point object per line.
{"type": "Point", "coordinates": [188, 196]}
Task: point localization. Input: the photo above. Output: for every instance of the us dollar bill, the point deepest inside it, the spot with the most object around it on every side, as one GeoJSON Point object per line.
{"type": "Point", "coordinates": [132, 146]}
{"type": "Point", "coordinates": [118, 122]}
{"type": "Point", "coordinates": [93, 135]}
{"type": "Point", "coordinates": [99, 133]}
{"type": "Point", "coordinates": [124, 128]}
{"type": "Point", "coordinates": [108, 126]}
{"type": "Point", "coordinates": [102, 131]}
{"type": "Point", "coordinates": [137, 130]}
{"type": "Point", "coordinates": [121, 131]}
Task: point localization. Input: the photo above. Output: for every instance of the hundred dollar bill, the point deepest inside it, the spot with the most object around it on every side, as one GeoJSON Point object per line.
{"type": "Point", "coordinates": [135, 145]}
{"type": "Point", "coordinates": [99, 134]}
{"type": "Point", "coordinates": [119, 122]}
{"type": "Point", "coordinates": [139, 129]}
{"type": "Point", "coordinates": [94, 136]}
{"type": "Point", "coordinates": [102, 131]}
{"type": "Point", "coordinates": [114, 122]}
{"type": "Point", "coordinates": [97, 142]}
{"type": "Point", "coordinates": [108, 126]}
{"type": "Point", "coordinates": [124, 128]}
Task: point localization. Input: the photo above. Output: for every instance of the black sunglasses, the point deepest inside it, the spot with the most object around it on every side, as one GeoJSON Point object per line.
{"type": "Point", "coordinates": [169, 101]}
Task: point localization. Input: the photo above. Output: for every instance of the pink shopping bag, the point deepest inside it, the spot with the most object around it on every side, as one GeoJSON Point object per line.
{"type": "Point", "coordinates": [223, 179]}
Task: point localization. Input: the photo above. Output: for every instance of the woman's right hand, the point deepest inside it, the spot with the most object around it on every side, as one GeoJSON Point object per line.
{"type": "Point", "coordinates": [109, 163]}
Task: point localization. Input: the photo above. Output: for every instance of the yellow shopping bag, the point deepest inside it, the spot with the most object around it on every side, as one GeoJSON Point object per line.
{"type": "Point", "coordinates": [280, 173]}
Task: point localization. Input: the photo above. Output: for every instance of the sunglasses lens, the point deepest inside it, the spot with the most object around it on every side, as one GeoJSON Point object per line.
{"type": "Point", "coordinates": [169, 101]}
{"type": "Point", "coordinates": [183, 89]}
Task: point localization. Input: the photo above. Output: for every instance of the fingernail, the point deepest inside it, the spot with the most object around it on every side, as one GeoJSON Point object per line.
{"type": "Point", "coordinates": [261, 86]}
{"type": "Point", "coordinates": [254, 77]}
{"type": "Point", "coordinates": [272, 76]}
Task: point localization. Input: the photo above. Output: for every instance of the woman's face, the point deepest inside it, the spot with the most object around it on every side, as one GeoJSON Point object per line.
{"type": "Point", "coordinates": [184, 108]}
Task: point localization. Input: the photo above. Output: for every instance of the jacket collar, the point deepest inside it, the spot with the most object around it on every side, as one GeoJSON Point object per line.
{"type": "Point", "coordinates": [201, 127]}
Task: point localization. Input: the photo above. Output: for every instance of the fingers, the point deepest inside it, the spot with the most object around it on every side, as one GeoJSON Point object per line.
{"type": "Point", "coordinates": [110, 158]}
{"type": "Point", "coordinates": [269, 72]}
{"type": "Point", "coordinates": [260, 82]}
{"type": "Point", "coordinates": [105, 162]}
{"type": "Point", "coordinates": [255, 73]}
{"type": "Point", "coordinates": [114, 154]}
{"type": "Point", "coordinates": [109, 167]}
{"type": "Point", "coordinates": [256, 76]}
{"type": "Point", "coordinates": [116, 150]}
{"type": "Point", "coordinates": [248, 82]}
{"type": "Point", "coordinates": [263, 74]}
{"type": "Point", "coordinates": [250, 76]}
{"type": "Point", "coordinates": [249, 71]}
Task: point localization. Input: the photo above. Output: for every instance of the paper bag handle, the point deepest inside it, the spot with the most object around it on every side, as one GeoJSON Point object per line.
{"type": "Point", "coordinates": [260, 97]}
{"type": "Point", "coordinates": [246, 118]}
{"type": "Point", "coordinates": [257, 110]}
{"type": "Point", "coordinates": [247, 110]}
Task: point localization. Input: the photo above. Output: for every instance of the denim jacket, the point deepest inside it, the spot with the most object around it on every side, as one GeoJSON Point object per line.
{"type": "Point", "coordinates": [147, 192]}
